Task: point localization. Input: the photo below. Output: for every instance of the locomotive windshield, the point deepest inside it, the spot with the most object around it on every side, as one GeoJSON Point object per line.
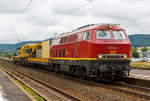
{"type": "Point", "coordinates": [103, 34]}
{"type": "Point", "coordinates": [119, 35]}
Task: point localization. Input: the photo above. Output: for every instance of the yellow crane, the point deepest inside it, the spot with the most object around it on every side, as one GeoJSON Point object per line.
{"type": "Point", "coordinates": [29, 50]}
{"type": "Point", "coordinates": [36, 52]}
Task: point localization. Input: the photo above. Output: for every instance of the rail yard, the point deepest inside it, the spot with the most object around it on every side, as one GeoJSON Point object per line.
{"type": "Point", "coordinates": [60, 87]}
{"type": "Point", "coordinates": [75, 50]}
{"type": "Point", "coordinates": [90, 63]}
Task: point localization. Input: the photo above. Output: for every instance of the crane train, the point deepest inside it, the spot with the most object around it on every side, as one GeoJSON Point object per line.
{"type": "Point", "coordinates": [97, 51]}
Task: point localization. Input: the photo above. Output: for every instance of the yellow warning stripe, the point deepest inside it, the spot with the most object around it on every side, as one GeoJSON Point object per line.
{"type": "Point", "coordinates": [75, 58]}
{"type": "Point", "coordinates": [47, 59]}
{"type": "Point", "coordinates": [91, 58]}
{"type": "Point", "coordinates": [38, 59]}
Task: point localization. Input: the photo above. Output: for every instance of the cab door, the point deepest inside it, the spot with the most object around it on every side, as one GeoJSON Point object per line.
{"type": "Point", "coordinates": [76, 46]}
{"type": "Point", "coordinates": [77, 49]}
{"type": "Point", "coordinates": [84, 45]}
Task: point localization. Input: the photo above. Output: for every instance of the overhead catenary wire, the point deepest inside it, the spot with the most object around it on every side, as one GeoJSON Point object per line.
{"type": "Point", "coordinates": [58, 10]}
{"type": "Point", "coordinates": [66, 3]}
{"type": "Point", "coordinates": [18, 17]}
{"type": "Point", "coordinates": [71, 12]}
{"type": "Point", "coordinates": [27, 6]}
{"type": "Point", "coordinates": [90, 1]}
{"type": "Point", "coordinates": [77, 9]}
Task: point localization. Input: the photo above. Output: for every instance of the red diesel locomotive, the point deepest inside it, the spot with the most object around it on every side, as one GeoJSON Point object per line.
{"type": "Point", "coordinates": [96, 50]}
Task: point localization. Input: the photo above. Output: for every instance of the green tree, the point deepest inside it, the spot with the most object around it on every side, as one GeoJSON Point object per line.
{"type": "Point", "coordinates": [9, 55]}
{"type": "Point", "coordinates": [14, 53]}
{"type": "Point", "coordinates": [135, 53]}
{"type": "Point", "coordinates": [144, 49]}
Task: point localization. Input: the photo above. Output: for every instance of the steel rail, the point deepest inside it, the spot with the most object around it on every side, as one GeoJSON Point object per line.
{"type": "Point", "coordinates": [115, 87]}
{"type": "Point", "coordinates": [44, 84]}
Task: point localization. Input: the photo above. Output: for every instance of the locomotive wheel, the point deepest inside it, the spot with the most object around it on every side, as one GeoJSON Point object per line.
{"type": "Point", "coordinates": [57, 68]}
{"type": "Point", "coordinates": [15, 62]}
{"type": "Point", "coordinates": [82, 73]}
{"type": "Point", "coordinates": [98, 76]}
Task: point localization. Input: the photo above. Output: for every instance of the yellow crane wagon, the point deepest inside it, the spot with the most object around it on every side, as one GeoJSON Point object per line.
{"type": "Point", "coordinates": [29, 50]}
{"type": "Point", "coordinates": [33, 53]}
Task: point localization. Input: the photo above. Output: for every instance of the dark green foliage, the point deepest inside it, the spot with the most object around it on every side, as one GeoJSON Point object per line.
{"type": "Point", "coordinates": [9, 55]}
{"type": "Point", "coordinates": [144, 49]}
{"type": "Point", "coordinates": [135, 53]}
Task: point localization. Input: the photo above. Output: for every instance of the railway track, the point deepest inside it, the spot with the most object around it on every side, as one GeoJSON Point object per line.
{"type": "Point", "coordinates": [131, 90]}
{"type": "Point", "coordinates": [140, 93]}
{"type": "Point", "coordinates": [12, 72]}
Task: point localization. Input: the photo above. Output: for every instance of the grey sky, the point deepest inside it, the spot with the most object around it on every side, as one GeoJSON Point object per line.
{"type": "Point", "coordinates": [44, 17]}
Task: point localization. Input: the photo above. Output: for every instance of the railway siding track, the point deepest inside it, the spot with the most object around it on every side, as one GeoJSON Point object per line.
{"type": "Point", "coordinates": [137, 81]}
{"type": "Point", "coordinates": [140, 93]}
{"type": "Point", "coordinates": [131, 91]}
{"type": "Point", "coordinates": [136, 88]}
{"type": "Point", "coordinates": [60, 95]}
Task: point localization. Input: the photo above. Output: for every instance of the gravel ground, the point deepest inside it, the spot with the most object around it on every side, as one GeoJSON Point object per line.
{"type": "Point", "coordinates": [82, 90]}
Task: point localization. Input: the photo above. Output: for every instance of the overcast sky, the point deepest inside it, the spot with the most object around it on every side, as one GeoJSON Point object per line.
{"type": "Point", "coordinates": [22, 20]}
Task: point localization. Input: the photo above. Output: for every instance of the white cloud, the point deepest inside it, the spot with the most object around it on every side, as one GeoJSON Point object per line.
{"type": "Point", "coordinates": [44, 17]}
{"type": "Point", "coordinates": [12, 6]}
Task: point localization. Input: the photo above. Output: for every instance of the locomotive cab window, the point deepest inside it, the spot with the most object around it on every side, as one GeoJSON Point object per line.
{"type": "Point", "coordinates": [86, 36]}
{"type": "Point", "coordinates": [76, 37]}
{"type": "Point", "coordinates": [103, 34]}
{"type": "Point", "coordinates": [65, 39]}
{"type": "Point", "coordinates": [119, 35]}
{"type": "Point", "coordinates": [62, 40]}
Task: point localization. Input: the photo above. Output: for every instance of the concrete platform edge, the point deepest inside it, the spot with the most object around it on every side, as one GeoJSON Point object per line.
{"type": "Point", "coordinates": [137, 81]}
{"type": "Point", "coordinates": [20, 87]}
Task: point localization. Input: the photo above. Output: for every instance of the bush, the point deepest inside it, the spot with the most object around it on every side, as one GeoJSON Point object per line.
{"type": "Point", "coordinates": [9, 55]}
{"type": "Point", "coordinates": [135, 53]}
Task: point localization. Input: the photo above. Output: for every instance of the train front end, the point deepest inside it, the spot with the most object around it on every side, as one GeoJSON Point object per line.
{"type": "Point", "coordinates": [110, 44]}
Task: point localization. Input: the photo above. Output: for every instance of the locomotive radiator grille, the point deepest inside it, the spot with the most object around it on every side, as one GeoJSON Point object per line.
{"type": "Point", "coordinates": [111, 56]}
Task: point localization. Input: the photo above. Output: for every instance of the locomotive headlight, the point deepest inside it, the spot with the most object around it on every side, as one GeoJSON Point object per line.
{"type": "Point", "coordinates": [100, 56]}
{"type": "Point", "coordinates": [125, 56]}
{"type": "Point", "coordinates": [110, 26]}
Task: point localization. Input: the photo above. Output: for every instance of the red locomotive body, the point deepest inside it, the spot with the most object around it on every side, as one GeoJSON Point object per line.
{"type": "Point", "coordinates": [96, 50]}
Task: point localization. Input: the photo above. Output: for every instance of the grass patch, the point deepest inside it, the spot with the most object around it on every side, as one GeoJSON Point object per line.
{"type": "Point", "coordinates": [34, 94]}
{"type": "Point", "coordinates": [4, 58]}
{"type": "Point", "coordinates": [140, 65]}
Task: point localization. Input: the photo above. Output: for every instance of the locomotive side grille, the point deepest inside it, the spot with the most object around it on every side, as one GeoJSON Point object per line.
{"type": "Point", "coordinates": [111, 56]}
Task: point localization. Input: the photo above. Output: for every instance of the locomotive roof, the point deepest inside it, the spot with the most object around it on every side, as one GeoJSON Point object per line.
{"type": "Point", "coordinates": [84, 28]}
